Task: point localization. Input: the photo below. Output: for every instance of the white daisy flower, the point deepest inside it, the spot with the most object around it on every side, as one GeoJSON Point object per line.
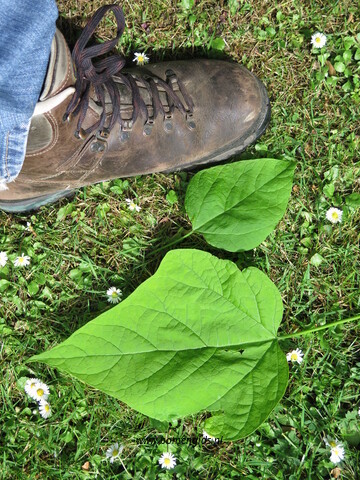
{"type": "Point", "coordinates": [337, 451]}
{"type": "Point", "coordinates": [132, 205]}
{"type": "Point", "coordinates": [41, 392]}
{"type": "Point", "coordinates": [30, 386]}
{"type": "Point", "coordinates": [359, 411]}
{"type": "Point", "coordinates": [22, 261]}
{"type": "Point", "coordinates": [3, 259]}
{"type": "Point", "coordinates": [318, 40]}
{"type": "Point", "coordinates": [209, 437]}
{"type": "Point", "coordinates": [141, 58]}
{"type": "Point", "coordinates": [114, 295]}
{"type": "Point", "coordinates": [334, 215]}
{"type": "Point", "coordinates": [44, 409]}
{"type": "Point", "coordinates": [167, 460]}
{"type": "Point", "coordinates": [295, 356]}
{"type": "Point", "coordinates": [28, 226]}
{"type": "Point", "coordinates": [114, 452]}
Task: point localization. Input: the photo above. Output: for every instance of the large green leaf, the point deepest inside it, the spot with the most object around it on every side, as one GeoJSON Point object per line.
{"type": "Point", "coordinates": [236, 206]}
{"type": "Point", "coordinates": [198, 335]}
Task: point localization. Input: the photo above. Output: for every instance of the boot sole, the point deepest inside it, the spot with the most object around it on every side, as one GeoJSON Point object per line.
{"type": "Point", "coordinates": [28, 205]}
{"type": "Point", "coordinates": [34, 203]}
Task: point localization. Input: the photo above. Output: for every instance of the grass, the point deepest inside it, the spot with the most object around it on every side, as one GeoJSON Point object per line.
{"type": "Point", "coordinates": [79, 248]}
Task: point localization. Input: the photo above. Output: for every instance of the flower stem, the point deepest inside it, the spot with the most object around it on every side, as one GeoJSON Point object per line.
{"type": "Point", "coordinates": [317, 329]}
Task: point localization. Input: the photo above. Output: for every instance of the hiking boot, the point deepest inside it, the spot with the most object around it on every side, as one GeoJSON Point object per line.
{"type": "Point", "coordinates": [96, 121]}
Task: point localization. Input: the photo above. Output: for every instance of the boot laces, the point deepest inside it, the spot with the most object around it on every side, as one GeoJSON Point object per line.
{"type": "Point", "coordinates": [99, 75]}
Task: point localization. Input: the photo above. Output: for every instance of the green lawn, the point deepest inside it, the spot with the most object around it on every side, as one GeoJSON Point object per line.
{"type": "Point", "coordinates": [80, 248]}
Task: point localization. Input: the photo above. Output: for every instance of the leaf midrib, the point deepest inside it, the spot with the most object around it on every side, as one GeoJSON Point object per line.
{"type": "Point", "coordinates": [236, 347]}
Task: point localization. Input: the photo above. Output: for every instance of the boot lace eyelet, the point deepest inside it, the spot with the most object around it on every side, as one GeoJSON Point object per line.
{"type": "Point", "coordinates": [81, 135]}
{"type": "Point", "coordinates": [168, 126]}
{"type": "Point", "coordinates": [97, 147]}
{"type": "Point", "coordinates": [124, 136]}
{"type": "Point", "coordinates": [148, 126]}
{"type": "Point", "coordinates": [103, 134]}
{"type": "Point", "coordinates": [190, 121]}
{"type": "Point", "coordinates": [168, 123]}
{"type": "Point", "coordinates": [67, 117]}
{"type": "Point", "coordinates": [126, 130]}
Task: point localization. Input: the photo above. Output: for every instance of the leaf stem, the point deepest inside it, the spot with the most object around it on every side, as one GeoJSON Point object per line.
{"type": "Point", "coordinates": [170, 244]}
{"type": "Point", "coordinates": [317, 329]}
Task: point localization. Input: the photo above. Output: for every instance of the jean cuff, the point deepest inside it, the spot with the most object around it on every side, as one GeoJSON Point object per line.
{"type": "Point", "coordinates": [13, 147]}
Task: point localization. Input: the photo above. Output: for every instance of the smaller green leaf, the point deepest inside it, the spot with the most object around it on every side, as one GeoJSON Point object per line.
{"type": "Point", "coordinates": [40, 279]}
{"type": "Point", "coordinates": [347, 87]}
{"type": "Point", "coordinates": [306, 241]}
{"type": "Point", "coordinates": [5, 330]}
{"type": "Point", "coordinates": [218, 44]}
{"type": "Point", "coordinates": [67, 437]}
{"type": "Point", "coordinates": [236, 206]}
{"type": "Point", "coordinates": [75, 274]}
{"type": "Point", "coordinates": [357, 54]}
{"type": "Point", "coordinates": [317, 260]}
{"type": "Point", "coordinates": [20, 383]}
{"type": "Point", "coordinates": [347, 56]}
{"type": "Point", "coordinates": [339, 67]}
{"type": "Point", "coordinates": [331, 81]}
{"type": "Point", "coordinates": [348, 42]}
{"type": "Point", "coordinates": [171, 197]}
{"type": "Point", "coordinates": [353, 200]}
{"type": "Point", "coordinates": [33, 288]}
{"type": "Point", "coordinates": [332, 174]}
{"type": "Point", "coordinates": [324, 344]}
{"type": "Point", "coordinates": [64, 212]}
{"type": "Point", "coordinates": [116, 189]}
{"type": "Point", "coordinates": [192, 20]}
{"type": "Point", "coordinates": [271, 31]}
{"type": "Point", "coordinates": [187, 4]}
{"type": "Point", "coordinates": [329, 190]}
{"type": "Point", "coordinates": [352, 439]}
{"type": "Point", "coordinates": [4, 284]}
{"type": "Point", "coordinates": [161, 426]}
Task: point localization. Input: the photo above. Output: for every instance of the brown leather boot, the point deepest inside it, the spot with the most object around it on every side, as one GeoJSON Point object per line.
{"type": "Point", "coordinates": [111, 123]}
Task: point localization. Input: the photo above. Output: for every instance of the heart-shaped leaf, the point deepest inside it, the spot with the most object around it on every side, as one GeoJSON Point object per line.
{"type": "Point", "coordinates": [198, 335]}
{"type": "Point", "coordinates": [236, 206]}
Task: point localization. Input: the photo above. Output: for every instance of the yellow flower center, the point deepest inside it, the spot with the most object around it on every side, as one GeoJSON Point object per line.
{"type": "Point", "coordinates": [332, 444]}
{"type": "Point", "coordinates": [318, 40]}
{"type": "Point", "coordinates": [167, 461]}
{"type": "Point", "coordinates": [114, 294]}
{"type": "Point", "coordinates": [336, 451]}
{"type": "Point", "coordinates": [21, 259]}
{"type": "Point", "coordinates": [115, 452]}
{"type": "Point", "coordinates": [335, 216]}
{"type": "Point", "coordinates": [46, 408]}
{"type": "Point", "coordinates": [40, 392]}
{"type": "Point", "coordinates": [294, 356]}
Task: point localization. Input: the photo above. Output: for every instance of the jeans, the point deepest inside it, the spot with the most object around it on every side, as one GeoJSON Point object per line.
{"type": "Point", "coordinates": [27, 28]}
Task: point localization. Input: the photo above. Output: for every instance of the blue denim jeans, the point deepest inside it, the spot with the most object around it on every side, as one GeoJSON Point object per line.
{"type": "Point", "coordinates": [27, 28]}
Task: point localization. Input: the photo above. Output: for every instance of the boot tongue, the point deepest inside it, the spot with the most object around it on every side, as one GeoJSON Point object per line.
{"type": "Point", "coordinates": [60, 73]}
